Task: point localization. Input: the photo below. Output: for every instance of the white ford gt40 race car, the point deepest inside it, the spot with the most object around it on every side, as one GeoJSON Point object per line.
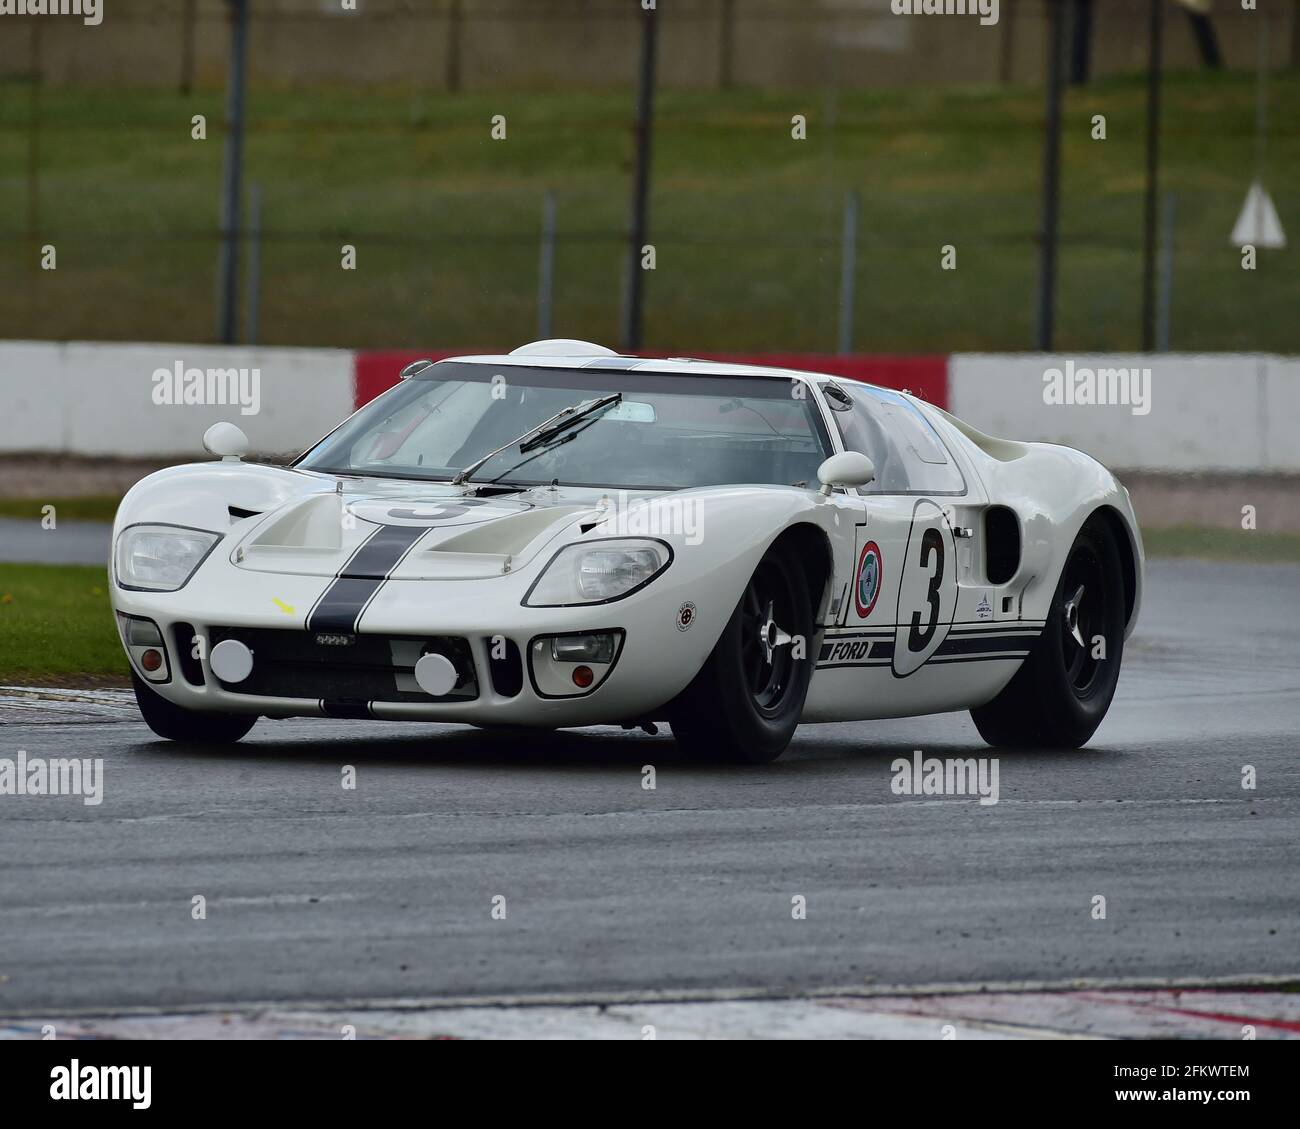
{"type": "Point", "coordinates": [564, 536]}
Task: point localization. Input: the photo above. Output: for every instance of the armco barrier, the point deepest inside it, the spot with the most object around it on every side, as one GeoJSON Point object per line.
{"type": "Point", "coordinates": [1231, 412]}
{"type": "Point", "coordinates": [1227, 412]}
{"type": "Point", "coordinates": [100, 398]}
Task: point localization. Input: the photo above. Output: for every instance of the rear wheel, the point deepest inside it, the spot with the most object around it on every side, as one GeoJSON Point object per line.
{"type": "Point", "coordinates": [745, 703]}
{"type": "Point", "coordinates": [1063, 689]}
{"type": "Point", "coordinates": [179, 724]}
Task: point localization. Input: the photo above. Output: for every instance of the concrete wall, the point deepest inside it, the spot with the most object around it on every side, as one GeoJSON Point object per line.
{"type": "Point", "coordinates": [98, 399]}
{"type": "Point", "coordinates": [1234, 412]}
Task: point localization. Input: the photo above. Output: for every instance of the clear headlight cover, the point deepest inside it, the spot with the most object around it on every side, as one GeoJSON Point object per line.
{"type": "Point", "coordinates": [160, 558]}
{"type": "Point", "coordinates": [598, 572]}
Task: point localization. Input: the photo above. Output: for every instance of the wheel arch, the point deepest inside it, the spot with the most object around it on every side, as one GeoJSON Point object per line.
{"type": "Point", "coordinates": [812, 549]}
{"type": "Point", "coordinates": [1111, 519]}
{"type": "Point", "coordinates": [1056, 491]}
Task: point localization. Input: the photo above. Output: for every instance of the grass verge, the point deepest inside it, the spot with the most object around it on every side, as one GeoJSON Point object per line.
{"type": "Point", "coordinates": [746, 221]}
{"type": "Point", "coordinates": [97, 508]}
{"type": "Point", "coordinates": [56, 627]}
{"type": "Point", "coordinates": [1251, 546]}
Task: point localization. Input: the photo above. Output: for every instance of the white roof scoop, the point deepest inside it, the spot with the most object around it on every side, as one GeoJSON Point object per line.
{"type": "Point", "coordinates": [562, 347]}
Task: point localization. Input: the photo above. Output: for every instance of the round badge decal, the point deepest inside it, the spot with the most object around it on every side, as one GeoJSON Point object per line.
{"type": "Point", "coordinates": [685, 616]}
{"type": "Point", "coordinates": [870, 568]}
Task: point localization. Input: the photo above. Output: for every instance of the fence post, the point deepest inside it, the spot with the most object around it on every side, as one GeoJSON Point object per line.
{"type": "Point", "coordinates": [232, 176]}
{"type": "Point", "coordinates": [1007, 46]}
{"type": "Point", "coordinates": [1155, 67]}
{"type": "Point", "coordinates": [253, 283]}
{"type": "Point", "coordinates": [546, 269]}
{"type": "Point", "coordinates": [726, 35]}
{"type": "Point", "coordinates": [848, 270]}
{"type": "Point", "coordinates": [634, 276]}
{"type": "Point", "coordinates": [453, 45]}
{"type": "Point", "coordinates": [34, 157]}
{"type": "Point", "coordinates": [1166, 273]}
{"type": "Point", "coordinates": [187, 47]}
{"type": "Point", "coordinates": [1049, 222]}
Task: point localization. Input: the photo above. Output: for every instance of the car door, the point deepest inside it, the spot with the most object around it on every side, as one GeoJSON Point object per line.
{"type": "Point", "coordinates": [903, 592]}
{"type": "Point", "coordinates": [904, 587]}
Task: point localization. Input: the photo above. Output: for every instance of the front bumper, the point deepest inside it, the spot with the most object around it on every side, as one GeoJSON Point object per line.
{"type": "Point", "coordinates": [479, 625]}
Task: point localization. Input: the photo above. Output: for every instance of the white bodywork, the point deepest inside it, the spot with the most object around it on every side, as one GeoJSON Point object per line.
{"type": "Point", "coordinates": [467, 577]}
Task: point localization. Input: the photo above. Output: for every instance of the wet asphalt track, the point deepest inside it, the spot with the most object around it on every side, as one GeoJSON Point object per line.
{"type": "Point", "coordinates": [23, 541]}
{"type": "Point", "coordinates": [316, 893]}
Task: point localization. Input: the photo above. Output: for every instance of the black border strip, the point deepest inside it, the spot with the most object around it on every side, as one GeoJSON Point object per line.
{"type": "Point", "coordinates": [950, 660]}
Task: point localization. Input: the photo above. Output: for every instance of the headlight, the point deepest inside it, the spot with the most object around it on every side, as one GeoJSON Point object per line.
{"type": "Point", "coordinates": [160, 558]}
{"type": "Point", "coordinates": [598, 572]}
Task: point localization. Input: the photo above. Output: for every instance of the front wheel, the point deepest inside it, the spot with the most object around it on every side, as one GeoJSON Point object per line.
{"type": "Point", "coordinates": [744, 704]}
{"type": "Point", "coordinates": [190, 726]}
{"type": "Point", "coordinates": [1063, 689]}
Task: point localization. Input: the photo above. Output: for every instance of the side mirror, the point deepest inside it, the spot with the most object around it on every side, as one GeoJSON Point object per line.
{"type": "Point", "coordinates": [848, 468]}
{"type": "Point", "coordinates": [414, 367]}
{"type": "Point", "coordinates": [226, 440]}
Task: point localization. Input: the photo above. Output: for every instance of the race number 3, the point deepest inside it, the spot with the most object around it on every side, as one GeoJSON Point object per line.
{"type": "Point", "coordinates": [918, 637]}
{"type": "Point", "coordinates": [927, 594]}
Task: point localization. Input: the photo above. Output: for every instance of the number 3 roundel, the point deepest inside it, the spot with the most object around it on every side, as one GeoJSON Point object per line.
{"type": "Point", "coordinates": [927, 592]}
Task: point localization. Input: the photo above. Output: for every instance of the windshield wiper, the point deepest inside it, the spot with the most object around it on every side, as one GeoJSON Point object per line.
{"type": "Point", "coordinates": [549, 430]}
{"type": "Point", "coordinates": [542, 433]}
{"type": "Point", "coordinates": [550, 445]}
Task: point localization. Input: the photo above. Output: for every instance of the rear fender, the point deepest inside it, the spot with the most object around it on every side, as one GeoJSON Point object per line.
{"type": "Point", "coordinates": [1055, 491]}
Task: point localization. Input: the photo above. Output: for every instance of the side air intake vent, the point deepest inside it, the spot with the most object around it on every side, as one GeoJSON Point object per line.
{"type": "Point", "coordinates": [1001, 544]}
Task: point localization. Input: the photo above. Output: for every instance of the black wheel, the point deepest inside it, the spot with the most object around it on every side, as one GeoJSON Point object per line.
{"type": "Point", "coordinates": [745, 702]}
{"type": "Point", "coordinates": [191, 726]}
{"type": "Point", "coordinates": [1063, 689]}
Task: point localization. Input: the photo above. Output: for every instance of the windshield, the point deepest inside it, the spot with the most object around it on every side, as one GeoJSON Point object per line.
{"type": "Point", "coordinates": [668, 431]}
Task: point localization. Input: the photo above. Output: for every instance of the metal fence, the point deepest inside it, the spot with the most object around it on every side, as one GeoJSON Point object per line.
{"type": "Point", "coordinates": [761, 240]}
{"type": "Point", "coordinates": [478, 45]}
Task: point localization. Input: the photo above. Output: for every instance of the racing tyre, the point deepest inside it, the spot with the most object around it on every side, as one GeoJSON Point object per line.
{"type": "Point", "coordinates": [744, 704]}
{"type": "Point", "coordinates": [1061, 691]}
{"type": "Point", "coordinates": [190, 726]}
